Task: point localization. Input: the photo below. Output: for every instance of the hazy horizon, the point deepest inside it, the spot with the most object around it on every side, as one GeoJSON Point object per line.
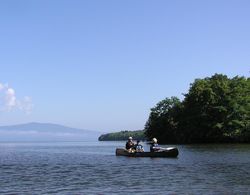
{"type": "Point", "coordinates": [45, 132]}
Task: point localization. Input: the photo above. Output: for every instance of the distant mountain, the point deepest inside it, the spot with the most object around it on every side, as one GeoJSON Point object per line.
{"type": "Point", "coordinates": [45, 132]}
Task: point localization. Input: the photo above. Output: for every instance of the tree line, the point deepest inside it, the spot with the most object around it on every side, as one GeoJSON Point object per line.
{"type": "Point", "coordinates": [123, 135]}
{"type": "Point", "coordinates": [215, 109]}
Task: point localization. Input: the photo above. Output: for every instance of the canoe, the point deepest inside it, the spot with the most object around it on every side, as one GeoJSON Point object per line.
{"type": "Point", "coordinates": [167, 152]}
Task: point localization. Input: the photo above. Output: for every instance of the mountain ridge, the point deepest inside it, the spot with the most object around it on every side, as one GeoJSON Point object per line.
{"type": "Point", "coordinates": [41, 127]}
{"type": "Point", "coordinates": [35, 131]}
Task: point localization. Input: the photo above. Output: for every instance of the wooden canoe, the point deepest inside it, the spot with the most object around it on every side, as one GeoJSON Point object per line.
{"type": "Point", "coordinates": [167, 152]}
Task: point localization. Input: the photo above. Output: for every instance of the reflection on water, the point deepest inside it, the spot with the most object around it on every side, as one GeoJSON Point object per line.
{"type": "Point", "coordinates": [93, 168]}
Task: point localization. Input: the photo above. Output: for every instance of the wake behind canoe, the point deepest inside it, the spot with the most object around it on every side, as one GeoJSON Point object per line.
{"type": "Point", "coordinates": [167, 152]}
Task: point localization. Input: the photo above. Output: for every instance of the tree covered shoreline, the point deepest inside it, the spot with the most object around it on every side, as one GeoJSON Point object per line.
{"type": "Point", "coordinates": [123, 135]}
{"type": "Point", "coordinates": [215, 110]}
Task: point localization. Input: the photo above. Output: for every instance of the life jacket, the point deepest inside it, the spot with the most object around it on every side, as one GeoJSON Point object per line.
{"type": "Point", "coordinates": [154, 147]}
{"type": "Point", "coordinates": [129, 145]}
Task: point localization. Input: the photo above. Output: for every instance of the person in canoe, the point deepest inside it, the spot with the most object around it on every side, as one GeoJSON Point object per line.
{"type": "Point", "coordinates": [130, 144]}
{"type": "Point", "coordinates": [138, 147]}
{"type": "Point", "coordinates": [154, 146]}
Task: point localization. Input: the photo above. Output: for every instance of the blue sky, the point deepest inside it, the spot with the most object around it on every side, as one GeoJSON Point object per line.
{"type": "Point", "coordinates": [102, 65]}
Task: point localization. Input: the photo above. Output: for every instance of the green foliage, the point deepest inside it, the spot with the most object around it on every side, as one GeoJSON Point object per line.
{"type": "Point", "coordinates": [216, 109]}
{"type": "Point", "coordinates": [123, 135]}
{"type": "Point", "coordinates": [163, 120]}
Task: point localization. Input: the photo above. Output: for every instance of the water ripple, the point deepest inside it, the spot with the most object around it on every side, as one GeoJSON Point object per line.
{"type": "Point", "coordinates": [70, 170]}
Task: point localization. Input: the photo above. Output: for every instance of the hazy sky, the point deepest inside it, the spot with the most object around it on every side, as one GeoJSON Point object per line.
{"type": "Point", "coordinates": [102, 65]}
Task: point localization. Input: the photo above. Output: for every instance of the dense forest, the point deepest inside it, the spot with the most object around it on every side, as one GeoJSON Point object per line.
{"type": "Point", "coordinates": [123, 135]}
{"type": "Point", "coordinates": [215, 109]}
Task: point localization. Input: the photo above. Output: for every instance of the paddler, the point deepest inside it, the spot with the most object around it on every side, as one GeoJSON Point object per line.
{"type": "Point", "coordinates": [130, 144]}
{"type": "Point", "coordinates": [154, 146]}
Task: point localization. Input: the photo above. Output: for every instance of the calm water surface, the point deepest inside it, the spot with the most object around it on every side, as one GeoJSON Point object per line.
{"type": "Point", "coordinates": [93, 168]}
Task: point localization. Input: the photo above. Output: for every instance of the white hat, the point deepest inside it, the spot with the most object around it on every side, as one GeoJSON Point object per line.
{"type": "Point", "coordinates": [130, 138]}
{"type": "Point", "coordinates": [154, 140]}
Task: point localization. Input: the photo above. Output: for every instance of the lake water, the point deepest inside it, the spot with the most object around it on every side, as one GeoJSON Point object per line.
{"type": "Point", "coordinates": [93, 168]}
